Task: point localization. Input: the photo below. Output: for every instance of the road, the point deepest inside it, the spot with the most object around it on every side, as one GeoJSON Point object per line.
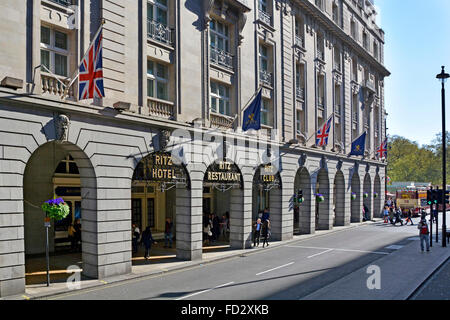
{"type": "Point", "coordinates": [286, 272]}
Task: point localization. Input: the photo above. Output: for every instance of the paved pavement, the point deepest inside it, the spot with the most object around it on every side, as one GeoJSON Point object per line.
{"type": "Point", "coordinates": [328, 265]}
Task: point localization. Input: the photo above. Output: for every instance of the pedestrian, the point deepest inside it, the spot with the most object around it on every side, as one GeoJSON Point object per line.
{"type": "Point", "coordinates": [223, 227]}
{"type": "Point", "coordinates": [207, 234]}
{"type": "Point", "coordinates": [266, 215]}
{"type": "Point", "coordinates": [77, 228]}
{"type": "Point", "coordinates": [366, 213]}
{"type": "Point", "coordinates": [257, 232]}
{"type": "Point", "coordinates": [71, 233]}
{"type": "Point", "coordinates": [168, 233]}
{"type": "Point", "coordinates": [266, 232]}
{"type": "Point", "coordinates": [424, 234]}
{"type": "Point", "coordinates": [386, 214]}
{"type": "Point", "coordinates": [216, 227]}
{"type": "Point", "coordinates": [397, 216]}
{"type": "Point", "coordinates": [409, 217]}
{"type": "Point", "coordinates": [147, 240]}
{"type": "Point", "coordinates": [136, 233]}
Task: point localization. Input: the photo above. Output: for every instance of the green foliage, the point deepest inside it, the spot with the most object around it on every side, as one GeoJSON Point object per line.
{"type": "Point", "coordinates": [56, 208]}
{"type": "Point", "coordinates": [407, 161]}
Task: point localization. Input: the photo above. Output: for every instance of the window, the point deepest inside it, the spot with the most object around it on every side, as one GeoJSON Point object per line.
{"type": "Point", "coordinates": [353, 29]}
{"type": "Point", "coordinates": [157, 80]}
{"type": "Point", "coordinates": [375, 50]}
{"type": "Point", "coordinates": [337, 99]}
{"type": "Point", "coordinates": [354, 69]}
{"type": "Point", "coordinates": [263, 5]}
{"type": "Point", "coordinates": [157, 11]}
{"type": "Point", "coordinates": [300, 81]}
{"type": "Point", "coordinates": [265, 76]}
{"type": "Point", "coordinates": [263, 59]}
{"type": "Point", "coordinates": [320, 47]}
{"type": "Point", "coordinates": [365, 43]}
{"type": "Point", "coordinates": [319, 4]}
{"type": "Point", "coordinates": [299, 34]}
{"type": "Point", "coordinates": [298, 122]}
{"type": "Point", "coordinates": [54, 51]}
{"type": "Point", "coordinates": [220, 98]}
{"type": "Point", "coordinates": [67, 166]}
{"type": "Point", "coordinates": [321, 91]}
{"type": "Point", "coordinates": [336, 14]}
{"type": "Point", "coordinates": [265, 112]}
{"type": "Point", "coordinates": [337, 58]}
{"type": "Point", "coordinates": [219, 36]}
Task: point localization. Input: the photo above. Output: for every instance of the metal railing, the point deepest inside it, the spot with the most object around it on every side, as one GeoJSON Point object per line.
{"type": "Point", "coordinates": [221, 58]}
{"type": "Point", "coordinates": [265, 77]}
{"type": "Point", "coordinates": [300, 93]}
{"type": "Point", "coordinates": [265, 17]}
{"type": "Point", "coordinates": [299, 41]}
{"type": "Point", "coordinates": [159, 32]}
{"type": "Point", "coordinates": [65, 3]}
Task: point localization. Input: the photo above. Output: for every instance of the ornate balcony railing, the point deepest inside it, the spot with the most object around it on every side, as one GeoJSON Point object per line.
{"type": "Point", "coordinates": [65, 3]}
{"type": "Point", "coordinates": [300, 93]}
{"type": "Point", "coordinates": [221, 58]}
{"type": "Point", "coordinates": [159, 32]}
{"type": "Point", "coordinates": [320, 55]}
{"type": "Point", "coordinates": [265, 17]}
{"type": "Point", "coordinates": [160, 108]}
{"type": "Point", "coordinates": [299, 41]}
{"type": "Point", "coordinates": [51, 85]}
{"type": "Point", "coordinates": [221, 121]}
{"type": "Point", "coordinates": [265, 77]}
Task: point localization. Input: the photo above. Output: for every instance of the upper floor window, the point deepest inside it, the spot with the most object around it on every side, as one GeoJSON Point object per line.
{"type": "Point", "coordinates": [264, 12]}
{"type": "Point", "coordinates": [265, 112]}
{"type": "Point", "coordinates": [320, 47]}
{"type": "Point", "coordinates": [157, 11]}
{"type": "Point", "coordinates": [354, 69]}
{"type": "Point", "coordinates": [262, 5]}
{"type": "Point", "coordinates": [375, 50]}
{"type": "Point", "coordinates": [337, 58]}
{"type": "Point", "coordinates": [220, 98]}
{"type": "Point", "coordinates": [299, 33]}
{"type": "Point", "coordinates": [264, 67]}
{"type": "Point", "coordinates": [319, 3]}
{"type": "Point", "coordinates": [321, 91]}
{"type": "Point", "coordinates": [157, 80]}
{"type": "Point", "coordinates": [219, 36]}
{"type": "Point", "coordinates": [300, 81]}
{"type": "Point", "coordinates": [365, 41]}
{"type": "Point", "coordinates": [54, 51]}
{"type": "Point", "coordinates": [353, 29]}
{"type": "Point", "coordinates": [336, 14]}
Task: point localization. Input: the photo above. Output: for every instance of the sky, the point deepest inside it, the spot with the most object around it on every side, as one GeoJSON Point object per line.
{"type": "Point", "coordinates": [417, 44]}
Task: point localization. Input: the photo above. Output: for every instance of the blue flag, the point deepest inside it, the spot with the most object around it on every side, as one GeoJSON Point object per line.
{"type": "Point", "coordinates": [358, 146]}
{"type": "Point", "coordinates": [252, 115]}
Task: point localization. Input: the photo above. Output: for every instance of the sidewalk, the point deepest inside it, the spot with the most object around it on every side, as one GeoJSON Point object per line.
{"type": "Point", "coordinates": [160, 265]}
{"type": "Point", "coordinates": [402, 272]}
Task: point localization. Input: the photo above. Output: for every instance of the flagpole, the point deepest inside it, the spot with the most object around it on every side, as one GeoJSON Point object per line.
{"type": "Point", "coordinates": [77, 70]}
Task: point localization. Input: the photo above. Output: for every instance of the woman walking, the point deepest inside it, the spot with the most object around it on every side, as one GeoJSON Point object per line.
{"type": "Point", "coordinates": [386, 214]}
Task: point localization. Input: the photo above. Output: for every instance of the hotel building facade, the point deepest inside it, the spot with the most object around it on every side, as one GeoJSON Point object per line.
{"type": "Point", "coordinates": [177, 76]}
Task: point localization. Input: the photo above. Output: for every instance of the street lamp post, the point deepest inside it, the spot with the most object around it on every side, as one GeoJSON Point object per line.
{"type": "Point", "coordinates": [443, 77]}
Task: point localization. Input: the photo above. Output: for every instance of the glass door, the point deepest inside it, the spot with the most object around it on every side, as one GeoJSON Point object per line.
{"type": "Point", "coordinates": [136, 212]}
{"type": "Point", "coordinates": [151, 212]}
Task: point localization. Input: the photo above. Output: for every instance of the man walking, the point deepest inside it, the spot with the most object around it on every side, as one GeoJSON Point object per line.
{"type": "Point", "coordinates": [424, 234]}
{"type": "Point", "coordinates": [168, 233]}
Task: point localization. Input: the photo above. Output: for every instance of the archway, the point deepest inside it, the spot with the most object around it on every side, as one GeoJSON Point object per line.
{"type": "Point", "coordinates": [322, 207]}
{"type": "Point", "coordinates": [377, 205]}
{"type": "Point", "coordinates": [367, 196]}
{"type": "Point", "coordinates": [355, 198]}
{"type": "Point", "coordinates": [222, 205]}
{"type": "Point", "coordinates": [339, 199]}
{"type": "Point", "coordinates": [158, 181]}
{"type": "Point", "coordinates": [303, 205]}
{"type": "Point", "coordinates": [266, 197]}
{"type": "Point", "coordinates": [59, 170]}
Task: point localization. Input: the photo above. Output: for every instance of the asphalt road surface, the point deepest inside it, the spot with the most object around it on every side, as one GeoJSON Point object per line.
{"type": "Point", "coordinates": [287, 272]}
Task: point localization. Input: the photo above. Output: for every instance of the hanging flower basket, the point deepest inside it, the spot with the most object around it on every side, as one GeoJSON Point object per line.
{"type": "Point", "coordinates": [353, 196]}
{"type": "Point", "coordinates": [319, 197]}
{"type": "Point", "coordinates": [375, 195]}
{"type": "Point", "coordinates": [365, 195]}
{"type": "Point", "coordinates": [300, 200]}
{"type": "Point", "coordinates": [56, 208]}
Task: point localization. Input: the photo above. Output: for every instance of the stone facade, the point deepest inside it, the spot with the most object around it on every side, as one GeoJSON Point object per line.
{"type": "Point", "coordinates": [301, 53]}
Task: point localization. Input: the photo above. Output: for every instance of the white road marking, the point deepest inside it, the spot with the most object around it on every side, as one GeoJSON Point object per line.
{"type": "Point", "coordinates": [200, 292]}
{"type": "Point", "coordinates": [338, 249]}
{"type": "Point", "coordinates": [394, 247]}
{"type": "Point", "coordinates": [285, 265]}
{"type": "Point", "coordinates": [318, 254]}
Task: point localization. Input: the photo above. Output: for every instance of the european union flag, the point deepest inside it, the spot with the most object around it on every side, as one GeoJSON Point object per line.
{"type": "Point", "coordinates": [252, 115]}
{"type": "Point", "coordinates": [358, 146]}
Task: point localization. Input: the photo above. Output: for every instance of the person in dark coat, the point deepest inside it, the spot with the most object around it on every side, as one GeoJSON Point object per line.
{"type": "Point", "coordinates": [77, 228]}
{"type": "Point", "coordinates": [147, 240]}
{"type": "Point", "coordinates": [265, 233]}
{"type": "Point", "coordinates": [257, 232]}
{"type": "Point", "coordinates": [215, 227]}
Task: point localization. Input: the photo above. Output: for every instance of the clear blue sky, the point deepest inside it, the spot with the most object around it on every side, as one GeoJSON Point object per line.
{"type": "Point", "coordinates": [417, 44]}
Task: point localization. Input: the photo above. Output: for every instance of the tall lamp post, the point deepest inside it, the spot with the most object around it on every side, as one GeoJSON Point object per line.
{"type": "Point", "coordinates": [443, 77]}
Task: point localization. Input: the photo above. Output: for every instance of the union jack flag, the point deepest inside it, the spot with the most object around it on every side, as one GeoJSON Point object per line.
{"type": "Point", "coordinates": [382, 150]}
{"type": "Point", "coordinates": [323, 133]}
{"type": "Point", "coordinates": [90, 84]}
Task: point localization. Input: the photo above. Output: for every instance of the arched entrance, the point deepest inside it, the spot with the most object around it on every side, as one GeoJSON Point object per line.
{"type": "Point", "coordinates": [367, 196]}
{"type": "Point", "coordinates": [355, 198]}
{"type": "Point", "coordinates": [303, 204]}
{"type": "Point", "coordinates": [156, 183]}
{"type": "Point", "coordinates": [377, 205]}
{"type": "Point", "coordinates": [222, 205]}
{"type": "Point", "coordinates": [322, 190]}
{"type": "Point", "coordinates": [266, 197]}
{"type": "Point", "coordinates": [59, 169]}
{"type": "Point", "coordinates": [339, 199]}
